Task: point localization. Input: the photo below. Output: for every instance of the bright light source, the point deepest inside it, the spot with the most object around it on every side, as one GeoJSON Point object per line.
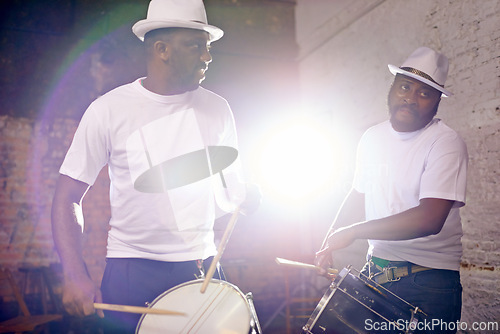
{"type": "Point", "coordinates": [299, 160]}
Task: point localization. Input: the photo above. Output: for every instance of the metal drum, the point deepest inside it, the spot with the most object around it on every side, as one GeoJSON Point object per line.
{"type": "Point", "coordinates": [222, 308]}
{"type": "Point", "coordinates": [355, 304]}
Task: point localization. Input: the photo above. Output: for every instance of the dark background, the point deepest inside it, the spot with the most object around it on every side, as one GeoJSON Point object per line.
{"type": "Point", "coordinates": [44, 42]}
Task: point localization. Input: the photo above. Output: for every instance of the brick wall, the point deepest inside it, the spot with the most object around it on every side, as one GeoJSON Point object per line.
{"type": "Point", "coordinates": [344, 78]}
{"type": "Point", "coordinates": [30, 155]}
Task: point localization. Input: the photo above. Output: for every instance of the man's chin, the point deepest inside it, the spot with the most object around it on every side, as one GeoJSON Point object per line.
{"type": "Point", "coordinates": [400, 126]}
{"type": "Point", "coordinates": [193, 87]}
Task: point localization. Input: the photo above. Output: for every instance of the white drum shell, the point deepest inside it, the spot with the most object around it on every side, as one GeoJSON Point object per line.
{"type": "Point", "coordinates": [221, 309]}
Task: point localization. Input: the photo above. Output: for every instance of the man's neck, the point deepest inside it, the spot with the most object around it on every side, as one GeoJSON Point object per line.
{"type": "Point", "coordinates": [162, 87]}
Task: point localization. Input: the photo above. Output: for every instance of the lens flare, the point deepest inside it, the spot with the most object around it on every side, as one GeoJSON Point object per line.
{"type": "Point", "coordinates": [299, 160]}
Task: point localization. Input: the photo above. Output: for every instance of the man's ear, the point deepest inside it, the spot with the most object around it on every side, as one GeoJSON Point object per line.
{"type": "Point", "coordinates": [437, 106]}
{"type": "Point", "coordinates": [162, 50]}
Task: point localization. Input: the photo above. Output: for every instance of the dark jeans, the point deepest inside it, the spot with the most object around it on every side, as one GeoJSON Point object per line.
{"type": "Point", "coordinates": [139, 281]}
{"type": "Point", "coordinates": [436, 292]}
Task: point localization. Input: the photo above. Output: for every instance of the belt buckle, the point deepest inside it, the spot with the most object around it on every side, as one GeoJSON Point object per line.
{"type": "Point", "coordinates": [393, 278]}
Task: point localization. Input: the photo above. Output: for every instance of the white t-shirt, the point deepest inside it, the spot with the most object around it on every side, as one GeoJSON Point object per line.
{"type": "Point", "coordinates": [395, 170]}
{"type": "Point", "coordinates": [133, 130]}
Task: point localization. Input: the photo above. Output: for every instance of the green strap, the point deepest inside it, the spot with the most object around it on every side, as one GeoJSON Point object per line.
{"type": "Point", "coordinates": [380, 262]}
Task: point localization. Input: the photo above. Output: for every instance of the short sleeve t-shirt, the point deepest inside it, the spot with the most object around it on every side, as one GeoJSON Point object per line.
{"type": "Point", "coordinates": [396, 170]}
{"type": "Point", "coordinates": [133, 130]}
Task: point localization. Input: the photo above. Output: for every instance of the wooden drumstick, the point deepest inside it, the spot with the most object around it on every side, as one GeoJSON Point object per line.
{"type": "Point", "coordinates": [303, 265]}
{"type": "Point", "coordinates": [220, 250]}
{"type": "Point", "coordinates": [134, 309]}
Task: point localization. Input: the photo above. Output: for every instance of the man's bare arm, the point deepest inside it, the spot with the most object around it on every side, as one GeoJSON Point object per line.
{"type": "Point", "coordinates": [79, 291]}
{"type": "Point", "coordinates": [425, 219]}
{"type": "Point", "coordinates": [351, 211]}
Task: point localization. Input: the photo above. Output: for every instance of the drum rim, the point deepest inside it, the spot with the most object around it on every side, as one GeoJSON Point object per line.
{"type": "Point", "coordinates": [325, 300]}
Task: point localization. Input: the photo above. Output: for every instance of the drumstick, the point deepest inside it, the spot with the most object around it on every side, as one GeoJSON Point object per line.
{"type": "Point", "coordinates": [134, 309]}
{"type": "Point", "coordinates": [220, 250]}
{"type": "Point", "coordinates": [302, 265]}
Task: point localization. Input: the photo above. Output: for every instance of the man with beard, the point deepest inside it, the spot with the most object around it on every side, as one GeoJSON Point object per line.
{"type": "Point", "coordinates": [161, 229]}
{"type": "Point", "coordinates": [411, 179]}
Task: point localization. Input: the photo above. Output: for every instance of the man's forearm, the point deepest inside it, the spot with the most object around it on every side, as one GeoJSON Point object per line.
{"type": "Point", "coordinates": [426, 219]}
{"type": "Point", "coordinates": [67, 234]}
{"type": "Point", "coordinates": [67, 225]}
{"type": "Point", "coordinates": [351, 210]}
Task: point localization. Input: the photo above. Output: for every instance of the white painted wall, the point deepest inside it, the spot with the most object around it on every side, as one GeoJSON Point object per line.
{"type": "Point", "coordinates": [345, 47]}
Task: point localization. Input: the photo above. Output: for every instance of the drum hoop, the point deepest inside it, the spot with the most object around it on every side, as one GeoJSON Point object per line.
{"type": "Point", "coordinates": [320, 308]}
{"type": "Point", "coordinates": [325, 300]}
{"type": "Point", "coordinates": [177, 287]}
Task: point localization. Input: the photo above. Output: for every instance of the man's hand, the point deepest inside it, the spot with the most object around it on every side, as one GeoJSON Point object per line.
{"type": "Point", "coordinates": [336, 240]}
{"type": "Point", "coordinates": [79, 295]}
{"type": "Point", "coordinates": [252, 200]}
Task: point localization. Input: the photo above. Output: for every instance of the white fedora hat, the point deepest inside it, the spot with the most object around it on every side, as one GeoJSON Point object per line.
{"type": "Point", "coordinates": [176, 14]}
{"type": "Point", "coordinates": [427, 66]}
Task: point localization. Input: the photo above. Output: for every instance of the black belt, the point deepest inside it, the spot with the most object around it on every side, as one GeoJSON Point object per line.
{"type": "Point", "coordinates": [394, 271]}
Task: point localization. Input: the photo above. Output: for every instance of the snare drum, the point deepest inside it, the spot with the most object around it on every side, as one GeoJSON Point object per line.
{"type": "Point", "coordinates": [221, 309]}
{"type": "Point", "coordinates": [358, 305]}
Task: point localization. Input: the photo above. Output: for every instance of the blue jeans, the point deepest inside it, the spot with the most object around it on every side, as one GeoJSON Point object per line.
{"type": "Point", "coordinates": [436, 292]}
{"type": "Point", "coordinates": [139, 281]}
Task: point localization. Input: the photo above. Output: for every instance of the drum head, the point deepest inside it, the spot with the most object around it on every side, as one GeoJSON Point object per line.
{"type": "Point", "coordinates": [221, 309]}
